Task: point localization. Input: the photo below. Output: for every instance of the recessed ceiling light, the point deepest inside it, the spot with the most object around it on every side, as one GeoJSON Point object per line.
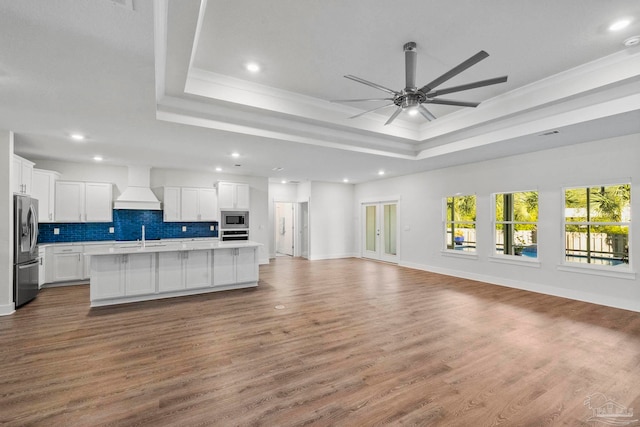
{"type": "Point", "coordinates": [77, 137]}
{"type": "Point", "coordinates": [236, 155]}
{"type": "Point", "coordinates": [218, 169]}
{"type": "Point", "coordinates": [283, 181]}
{"type": "Point", "coordinates": [345, 180]}
{"type": "Point", "coordinates": [380, 172]}
{"type": "Point", "coordinates": [97, 158]}
{"type": "Point", "coordinates": [277, 169]}
{"type": "Point", "coordinates": [619, 25]}
{"type": "Point", "coordinates": [253, 67]}
{"type": "Point", "coordinates": [631, 41]}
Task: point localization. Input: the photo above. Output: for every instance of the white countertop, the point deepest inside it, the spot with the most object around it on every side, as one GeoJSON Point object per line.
{"type": "Point", "coordinates": [166, 246]}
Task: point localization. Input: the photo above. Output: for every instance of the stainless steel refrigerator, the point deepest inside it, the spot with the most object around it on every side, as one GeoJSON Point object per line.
{"type": "Point", "coordinates": [25, 258]}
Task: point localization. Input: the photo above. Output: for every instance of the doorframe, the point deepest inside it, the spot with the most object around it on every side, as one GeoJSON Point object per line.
{"type": "Point", "coordinates": [294, 223]}
{"type": "Point", "coordinates": [363, 222]}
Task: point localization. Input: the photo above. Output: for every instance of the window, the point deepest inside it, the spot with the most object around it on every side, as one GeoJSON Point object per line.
{"type": "Point", "coordinates": [460, 223]}
{"type": "Point", "coordinates": [516, 224]}
{"type": "Point", "coordinates": [596, 224]}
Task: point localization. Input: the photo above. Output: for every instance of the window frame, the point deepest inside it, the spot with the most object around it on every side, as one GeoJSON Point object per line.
{"type": "Point", "coordinates": [446, 250]}
{"type": "Point", "coordinates": [507, 257]}
{"type": "Point", "coordinates": [623, 270]}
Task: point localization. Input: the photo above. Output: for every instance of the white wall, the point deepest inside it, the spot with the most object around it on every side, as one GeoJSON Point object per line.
{"type": "Point", "coordinates": [421, 219]}
{"type": "Point", "coordinates": [332, 221]}
{"type": "Point", "coordinates": [7, 305]}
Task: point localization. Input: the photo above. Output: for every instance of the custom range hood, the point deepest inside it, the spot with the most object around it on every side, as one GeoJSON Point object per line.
{"type": "Point", "coordinates": [138, 194]}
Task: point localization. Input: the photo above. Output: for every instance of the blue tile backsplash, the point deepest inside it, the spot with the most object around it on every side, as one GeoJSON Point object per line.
{"type": "Point", "coordinates": [127, 225]}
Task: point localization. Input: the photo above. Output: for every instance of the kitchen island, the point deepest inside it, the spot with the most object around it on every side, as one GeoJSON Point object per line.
{"type": "Point", "coordinates": [152, 270]}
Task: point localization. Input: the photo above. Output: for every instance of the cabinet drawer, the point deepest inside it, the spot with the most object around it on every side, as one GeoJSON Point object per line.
{"type": "Point", "coordinates": [68, 249]}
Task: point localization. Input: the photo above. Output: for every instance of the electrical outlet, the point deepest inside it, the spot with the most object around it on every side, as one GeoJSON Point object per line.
{"type": "Point", "coordinates": [112, 230]}
{"type": "Point", "coordinates": [56, 231]}
{"type": "Point", "coordinates": [184, 228]}
{"type": "Point", "coordinates": [212, 228]}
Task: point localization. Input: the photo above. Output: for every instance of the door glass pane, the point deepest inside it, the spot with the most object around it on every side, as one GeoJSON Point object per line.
{"type": "Point", "coordinates": [371, 228]}
{"type": "Point", "coordinates": [390, 229]}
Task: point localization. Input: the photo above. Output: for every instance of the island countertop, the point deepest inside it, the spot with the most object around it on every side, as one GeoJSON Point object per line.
{"type": "Point", "coordinates": [164, 246]}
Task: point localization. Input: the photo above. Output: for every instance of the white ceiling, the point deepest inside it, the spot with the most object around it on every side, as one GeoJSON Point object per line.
{"type": "Point", "coordinates": [164, 84]}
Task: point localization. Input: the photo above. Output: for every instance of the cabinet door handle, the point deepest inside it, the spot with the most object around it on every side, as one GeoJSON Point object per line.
{"type": "Point", "coordinates": [80, 217]}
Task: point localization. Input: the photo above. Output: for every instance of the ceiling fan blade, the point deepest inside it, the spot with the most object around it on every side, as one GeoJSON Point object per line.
{"type": "Point", "coordinates": [368, 83]}
{"type": "Point", "coordinates": [393, 116]}
{"type": "Point", "coordinates": [467, 86]}
{"type": "Point", "coordinates": [452, 102]}
{"type": "Point", "coordinates": [371, 111]}
{"type": "Point", "coordinates": [426, 113]}
{"type": "Point", "coordinates": [359, 100]}
{"type": "Point", "coordinates": [455, 71]}
{"type": "Point", "coordinates": [410, 57]}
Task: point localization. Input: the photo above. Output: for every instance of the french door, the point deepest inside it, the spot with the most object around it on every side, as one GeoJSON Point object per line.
{"type": "Point", "coordinates": [380, 237]}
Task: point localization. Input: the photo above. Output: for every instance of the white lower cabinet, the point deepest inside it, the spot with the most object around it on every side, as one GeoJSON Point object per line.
{"type": "Point", "coordinates": [68, 263]}
{"type": "Point", "coordinates": [234, 265]}
{"type": "Point", "coordinates": [184, 270]}
{"type": "Point", "coordinates": [122, 275]}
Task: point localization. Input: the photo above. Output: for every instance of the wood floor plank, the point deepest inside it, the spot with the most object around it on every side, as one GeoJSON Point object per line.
{"type": "Point", "coordinates": [358, 343]}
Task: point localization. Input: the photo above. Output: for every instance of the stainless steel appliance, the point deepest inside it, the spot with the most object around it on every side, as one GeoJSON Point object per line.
{"type": "Point", "coordinates": [230, 235]}
{"type": "Point", "coordinates": [25, 254]}
{"type": "Point", "coordinates": [234, 220]}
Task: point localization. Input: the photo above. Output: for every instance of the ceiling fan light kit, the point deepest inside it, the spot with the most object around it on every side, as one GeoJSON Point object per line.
{"type": "Point", "coordinates": [414, 98]}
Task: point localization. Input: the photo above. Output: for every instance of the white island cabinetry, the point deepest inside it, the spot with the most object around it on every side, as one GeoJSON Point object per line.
{"type": "Point", "coordinates": [184, 270]}
{"type": "Point", "coordinates": [235, 265]}
{"type": "Point", "coordinates": [122, 275]}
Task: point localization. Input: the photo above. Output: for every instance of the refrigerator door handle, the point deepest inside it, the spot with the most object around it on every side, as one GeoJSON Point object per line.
{"type": "Point", "coordinates": [33, 228]}
{"type": "Point", "coordinates": [29, 264]}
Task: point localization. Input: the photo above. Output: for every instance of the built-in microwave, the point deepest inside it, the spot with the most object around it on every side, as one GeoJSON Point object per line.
{"type": "Point", "coordinates": [234, 219]}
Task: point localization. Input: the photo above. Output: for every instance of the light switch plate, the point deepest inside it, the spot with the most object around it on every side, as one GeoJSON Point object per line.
{"type": "Point", "coordinates": [56, 231]}
{"type": "Point", "coordinates": [111, 230]}
{"type": "Point", "coordinates": [184, 228]}
{"type": "Point", "coordinates": [212, 228]}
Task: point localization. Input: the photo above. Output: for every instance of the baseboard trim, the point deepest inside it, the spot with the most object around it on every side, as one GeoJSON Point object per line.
{"type": "Point", "coordinates": [332, 256]}
{"type": "Point", "coordinates": [7, 309]}
{"type": "Point", "coordinates": [527, 286]}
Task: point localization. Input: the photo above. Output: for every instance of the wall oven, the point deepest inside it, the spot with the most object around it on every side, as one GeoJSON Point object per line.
{"type": "Point", "coordinates": [234, 235]}
{"type": "Point", "coordinates": [234, 220]}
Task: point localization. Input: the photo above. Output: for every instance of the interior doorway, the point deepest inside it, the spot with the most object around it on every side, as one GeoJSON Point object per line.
{"type": "Point", "coordinates": [284, 228]}
{"type": "Point", "coordinates": [380, 231]}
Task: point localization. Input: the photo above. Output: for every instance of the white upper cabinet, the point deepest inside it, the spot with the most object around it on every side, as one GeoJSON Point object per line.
{"type": "Point", "coordinates": [199, 204]}
{"type": "Point", "coordinates": [83, 201]}
{"type": "Point", "coordinates": [233, 196]}
{"type": "Point", "coordinates": [171, 204]}
{"type": "Point", "coordinates": [22, 175]}
{"type": "Point", "coordinates": [190, 204]}
{"type": "Point", "coordinates": [44, 189]}
{"type": "Point", "coordinates": [98, 202]}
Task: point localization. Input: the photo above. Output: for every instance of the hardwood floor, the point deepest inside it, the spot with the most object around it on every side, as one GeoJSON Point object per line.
{"type": "Point", "coordinates": [358, 343]}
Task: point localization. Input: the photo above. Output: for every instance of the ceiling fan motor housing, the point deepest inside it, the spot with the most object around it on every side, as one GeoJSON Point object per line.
{"type": "Point", "coordinates": [410, 98]}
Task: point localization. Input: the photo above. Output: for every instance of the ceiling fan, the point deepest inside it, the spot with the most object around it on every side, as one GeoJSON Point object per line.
{"type": "Point", "coordinates": [414, 98]}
